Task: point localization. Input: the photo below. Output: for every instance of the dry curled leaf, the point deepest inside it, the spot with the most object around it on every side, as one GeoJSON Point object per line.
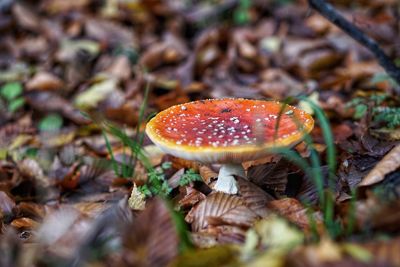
{"type": "Point", "coordinates": [44, 81]}
{"type": "Point", "coordinates": [6, 204]}
{"type": "Point", "coordinates": [215, 205]}
{"type": "Point", "coordinates": [59, 6]}
{"type": "Point", "coordinates": [30, 168]}
{"type": "Point", "coordinates": [63, 230]}
{"type": "Point", "coordinates": [178, 163]}
{"type": "Point", "coordinates": [24, 223]}
{"type": "Point", "coordinates": [385, 251]}
{"type": "Point", "coordinates": [151, 239]}
{"type": "Point", "coordinates": [49, 102]}
{"type": "Point", "coordinates": [386, 134]}
{"type": "Point", "coordinates": [171, 50]}
{"type": "Point", "coordinates": [207, 174]}
{"type": "Point", "coordinates": [272, 175]}
{"type": "Point", "coordinates": [25, 17]}
{"type": "Point", "coordinates": [91, 209]}
{"type": "Point", "coordinates": [240, 216]}
{"type": "Point", "coordinates": [295, 212]}
{"type": "Point", "coordinates": [254, 197]}
{"type": "Point", "coordinates": [191, 197]}
{"type": "Point", "coordinates": [388, 164]}
{"type": "Point", "coordinates": [120, 68]}
{"type": "Point", "coordinates": [173, 181]}
{"type": "Point", "coordinates": [31, 210]}
{"type": "Point", "coordinates": [109, 32]}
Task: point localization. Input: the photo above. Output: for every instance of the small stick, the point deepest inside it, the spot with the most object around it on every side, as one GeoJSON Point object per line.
{"type": "Point", "coordinates": [330, 13]}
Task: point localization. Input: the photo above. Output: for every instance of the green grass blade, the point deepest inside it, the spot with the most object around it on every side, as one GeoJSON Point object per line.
{"type": "Point", "coordinates": [328, 137]}
{"type": "Point", "coordinates": [316, 167]}
{"type": "Point", "coordinates": [351, 215]}
{"type": "Point", "coordinates": [312, 221]}
{"type": "Point", "coordinates": [278, 120]}
{"type": "Point", "coordinates": [315, 160]}
{"type": "Point", "coordinates": [127, 141]}
{"type": "Point", "coordinates": [140, 135]}
{"type": "Point", "coordinates": [328, 203]}
{"type": "Point", "coordinates": [109, 149]}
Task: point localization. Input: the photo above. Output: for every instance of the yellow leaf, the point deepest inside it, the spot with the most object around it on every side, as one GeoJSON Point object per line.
{"type": "Point", "coordinates": [215, 256]}
{"type": "Point", "coordinates": [304, 105]}
{"type": "Point", "coordinates": [357, 252]}
{"type": "Point", "coordinates": [137, 199]}
{"type": "Point", "coordinates": [277, 234]}
{"type": "Point", "coordinates": [95, 94]}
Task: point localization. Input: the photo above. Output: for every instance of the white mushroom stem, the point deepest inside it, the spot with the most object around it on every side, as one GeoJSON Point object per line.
{"type": "Point", "coordinates": [226, 181]}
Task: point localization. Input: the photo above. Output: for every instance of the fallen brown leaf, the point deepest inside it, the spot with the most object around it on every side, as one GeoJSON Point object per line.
{"type": "Point", "coordinates": [173, 181]}
{"type": "Point", "coordinates": [272, 175]}
{"type": "Point", "coordinates": [388, 164]}
{"type": "Point", "coordinates": [207, 174]}
{"type": "Point", "coordinates": [204, 239]}
{"type": "Point", "coordinates": [178, 163]}
{"type": "Point", "coordinates": [171, 50]}
{"type": "Point", "coordinates": [191, 197]}
{"type": "Point", "coordinates": [109, 32]}
{"type": "Point", "coordinates": [151, 239]}
{"type": "Point", "coordinates": [31, 210]}
{"type": "Point", "coordinates": [278, 84]}
{"type": "Point", "coordinates": [91, 209]}
{"type": "Point", "coordinates": [24, 223]}
{"type": "Point", "coordinates": [385, 252]}
{"type": "Point", "coordinates": [295, 212]}
{"type": "Point", "coordinates": [120, 68]}
{"type": "Point", "coordinates": [44, 81]}
{"type": "Point", "coordinates": [50, 102]}
{"type": "Point", "coordinates": [26, 18]}
{"type": "Point", "coordinates": [215, 205]}
{"type": "Point", "coordinates": [229, 234]}
{"type": "Point", "coordinates": [386, 134]}
{"type": "Point", "coordinates": [59, 6]}
{"type": "Point", "coordinates": [240, 216]}
{"type": "Point", "coordinates": [31, 169]}
{"type": "Point", "coordinates": [6, 204]}
{"type": "Point", "coordinates": [254, 197]}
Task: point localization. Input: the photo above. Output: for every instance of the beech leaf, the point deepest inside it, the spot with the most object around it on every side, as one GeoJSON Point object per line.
{"type": "Point", "coordinates": [388, 164]}
{"type": "Point", "coordinates": [215, 205]}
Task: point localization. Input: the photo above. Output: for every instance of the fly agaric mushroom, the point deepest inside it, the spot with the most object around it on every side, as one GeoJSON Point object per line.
{"type": "Point", "coordinates": [227, 131]}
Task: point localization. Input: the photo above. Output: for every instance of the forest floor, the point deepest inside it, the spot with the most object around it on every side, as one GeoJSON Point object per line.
{"type": "Point", "coordinates": [82, 185]}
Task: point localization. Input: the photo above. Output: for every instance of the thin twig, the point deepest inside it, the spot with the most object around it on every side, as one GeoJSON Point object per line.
{"type": "Point", "coordinates": [330, 13]}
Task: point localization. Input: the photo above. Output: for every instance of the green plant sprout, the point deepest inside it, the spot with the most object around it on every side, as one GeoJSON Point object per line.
{"type": "Point", "coordinates": [51, 123]}
{"type": "Point", "coordinates": [188, 177]}
{"type": "Point", "coordinates": [156, 184]}
{"type": "Point", "coordinates": [241, 13]}
{"type": "Point", "coordinates": [379, 109]}
{"type": "Point", "coordinates": [11, 93]}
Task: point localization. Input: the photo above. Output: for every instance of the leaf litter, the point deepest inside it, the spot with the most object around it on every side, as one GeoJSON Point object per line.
{"type": "Point", "coordinates": [68, 196]}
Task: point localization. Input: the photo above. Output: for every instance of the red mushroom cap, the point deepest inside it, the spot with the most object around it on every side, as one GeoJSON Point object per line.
{"type": "Point", "coordinates": [227, 130]}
